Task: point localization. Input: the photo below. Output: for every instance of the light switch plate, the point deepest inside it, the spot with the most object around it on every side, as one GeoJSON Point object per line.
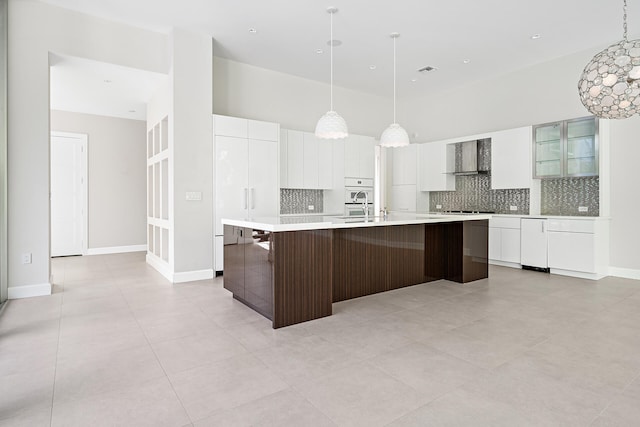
{"type": "Point", "coordinates": [513, 208]}
{"type": "Point", "coordinates": [193, 195]}
{"type": "Point", "coordinates": [311, 207]}
{"type": "Point", "coordinates": [26, 258]}
{"type": "Point", "coordinates": [583, 209]}
{"type": "Point", "coordinates": [438, 206]}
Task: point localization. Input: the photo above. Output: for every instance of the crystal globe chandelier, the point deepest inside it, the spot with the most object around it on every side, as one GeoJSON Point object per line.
{"type": "Point", "coordinates": [394, 135]}
{"type": "Point", "coordinates": [331, 125]}
{"type": "Point", "coordinates": [609, 86]}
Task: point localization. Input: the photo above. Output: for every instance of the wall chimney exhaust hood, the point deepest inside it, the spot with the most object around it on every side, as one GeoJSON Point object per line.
{"type": "Point", "coordinates": [473, 157]}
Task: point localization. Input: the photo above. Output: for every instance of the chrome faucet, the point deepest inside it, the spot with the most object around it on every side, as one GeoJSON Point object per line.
{"type": "Point", "coordinates": [365, 204]}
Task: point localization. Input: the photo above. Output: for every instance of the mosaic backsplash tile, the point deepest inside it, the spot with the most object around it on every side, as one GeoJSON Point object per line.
{"type": "Point", "coordinates": [474, 193]}
{"type": "Point", "coordinates": [297, 201]}
{"type": "Point", "coordinates": [563, 196]}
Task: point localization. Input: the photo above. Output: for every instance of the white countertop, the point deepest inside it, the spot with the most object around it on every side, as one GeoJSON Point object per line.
{"type": "Point", "coordinates": [296, 223]}
{"type": "Point", "coordinates": [590, 218]}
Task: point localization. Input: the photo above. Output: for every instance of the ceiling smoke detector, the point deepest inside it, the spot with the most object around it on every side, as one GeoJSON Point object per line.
{"type": "Point", "coordinates": [427, 69]}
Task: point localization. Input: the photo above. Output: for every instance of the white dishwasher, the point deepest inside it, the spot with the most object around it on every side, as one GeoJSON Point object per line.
{"type": "Point", "coordinates": [533, 243]}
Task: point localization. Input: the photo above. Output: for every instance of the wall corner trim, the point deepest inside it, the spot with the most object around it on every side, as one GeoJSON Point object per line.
{"type": "Point", "coordinates": [28, 291]}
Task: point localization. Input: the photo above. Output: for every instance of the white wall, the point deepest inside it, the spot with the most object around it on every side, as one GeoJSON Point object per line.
{"type": "Point", "coordinates": [117, 165]}
{"type": "Point", "coordinates": [251, 92]}
{"type": "Point", "coordinates": [35, 30]}
{"type": "Point", "coordinates": [190, 127]}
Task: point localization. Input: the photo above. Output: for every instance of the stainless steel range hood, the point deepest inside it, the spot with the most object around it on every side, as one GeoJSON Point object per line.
{"type": "Point", "coordinates": [472, 157]}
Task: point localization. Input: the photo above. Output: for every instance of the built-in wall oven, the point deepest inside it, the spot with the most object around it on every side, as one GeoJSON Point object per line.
{"type": "Point", "coordinates": [358, 191]}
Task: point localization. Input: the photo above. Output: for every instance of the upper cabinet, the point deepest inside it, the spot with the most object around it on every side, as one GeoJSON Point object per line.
{"type": "Point", "coordinates": [435, 163]}
{"type": "Point", "coordinates": [511, 158]}
{"type": "Point", "coordinates": [359, 156]}
{"type": "Point", "coordinates": [405, 165]}
{"type": "Point", "coordinates": [567, 148]}
{"type": "Point", "coordinates": [306, 161]}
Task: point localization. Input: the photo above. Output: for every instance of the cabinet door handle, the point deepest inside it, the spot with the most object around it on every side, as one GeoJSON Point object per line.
{"type": "Point", "coordinates": [246, 198]}
{"type": "Point", "coordinates": [253, 198]}
{"type": "Point", "coordinates": [542, 223]}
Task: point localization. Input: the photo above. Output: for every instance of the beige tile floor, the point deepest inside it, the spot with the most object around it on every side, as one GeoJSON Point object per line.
{"type": "Point", "coordinates": [116, 344]}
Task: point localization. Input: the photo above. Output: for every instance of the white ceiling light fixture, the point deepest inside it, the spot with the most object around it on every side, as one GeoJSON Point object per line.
{"type": "Point", "coordinates": [394, 135]}
{"type": "Point", "coordinates": [331, 125]}
{"type": "Point", "coordinates": [609, 86]}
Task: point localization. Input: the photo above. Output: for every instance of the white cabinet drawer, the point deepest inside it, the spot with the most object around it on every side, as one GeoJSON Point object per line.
{"type": "Point", "coordinates": [572, 225]}
{"type": "Point", "coordinates": [505, 222]}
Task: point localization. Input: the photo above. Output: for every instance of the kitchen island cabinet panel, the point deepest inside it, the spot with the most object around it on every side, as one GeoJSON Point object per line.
{"type": "Point", "coordinates": [372, 260]}
{"type": "Point", "coordinates": [302, 262]}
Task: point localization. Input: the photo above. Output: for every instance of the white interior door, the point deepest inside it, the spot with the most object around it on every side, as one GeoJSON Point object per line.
{"type": "Point", "coordinates": [68, 194]}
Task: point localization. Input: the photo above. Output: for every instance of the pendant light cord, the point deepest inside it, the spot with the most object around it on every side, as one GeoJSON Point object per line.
{"type": "Point", "coordinates": [624, 21]}
{"type": "Point", "coordinates": [331, 51]}
{"type": "Point", "coordinates": [394, 79]}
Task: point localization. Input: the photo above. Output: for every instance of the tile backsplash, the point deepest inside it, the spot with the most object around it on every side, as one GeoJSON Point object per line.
{"type": "Point", "coordinates": [297, 201]}
{"type": "Point", "coordinates": [563, 196]}
{"type": "Point", "coordinates": [474, 193]}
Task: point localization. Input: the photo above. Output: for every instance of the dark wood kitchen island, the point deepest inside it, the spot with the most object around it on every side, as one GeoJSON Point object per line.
{"type": "Point", "coordinates": [291, 269]}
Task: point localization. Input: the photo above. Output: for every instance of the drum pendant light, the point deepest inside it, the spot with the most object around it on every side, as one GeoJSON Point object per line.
{"type": "Point", "coordinates": [331, 125]}
{"type": "Point", "coordinates": [394, 135]}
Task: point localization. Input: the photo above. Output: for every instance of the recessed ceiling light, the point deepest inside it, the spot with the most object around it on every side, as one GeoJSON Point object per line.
{"type": "Point", "coordinates": [319, 51]}
{"type": "Point", "coordinates": [107, 81]}
{"type": "Point", "coordinates": [334, 43]}
{"type": "Point", "coordinates": [466, 61]}
{"type": "Point", "coordinates": [535, 36]}
{"type": "Point", "coordinates": [414, 80]}
{"type": "Point", "coordinates": [372, 67]}
{"type": "Point", "coordinates": [253, 30]}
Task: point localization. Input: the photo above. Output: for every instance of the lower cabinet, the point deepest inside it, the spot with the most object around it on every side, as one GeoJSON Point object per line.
{"type": "Point", "coordinates": [533, 244]}
{"type": "Point", "coordinates": [579, 247]}
{"type": "Point", "coordinates": [248, 270]}
{"type": "Point", "coordinates": [504, 240]}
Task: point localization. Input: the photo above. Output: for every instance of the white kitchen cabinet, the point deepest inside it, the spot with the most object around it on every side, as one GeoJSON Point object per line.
{"type": "Point", "coordinates": [246, 172]}
{"type": "Point", "coordinates": [403, 198]}
{"type": "Point", "coordinates": [404, 170]}
{"type": "Point", "coordinates": [579, 247]}
{"type": "Point", "coordinates": [504, 241]}
{"type": "Point", "coordinates": [308, 161]}
{"type": "Point", "coordinates": [359, 157]}
{"type": "Point", "coordinates": [533, 248]}
{"type": "Point", "coordinates": [434, 165]}
{"type": "Point", "coordinates": [511, 158]}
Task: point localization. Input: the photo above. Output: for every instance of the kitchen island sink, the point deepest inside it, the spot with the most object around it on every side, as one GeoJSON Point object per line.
{"type": "Point", "coordinates": [291, 271]}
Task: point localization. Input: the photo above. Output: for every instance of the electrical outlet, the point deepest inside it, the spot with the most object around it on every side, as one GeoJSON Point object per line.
{"type": "Point", "coordinates": [311, 207]}
{"type": "Point", "coordinates": [583, 209]}
{"type": "Point", "coordinates": [513, 208]}
{"type": "Point", "coordinates": [438, 206]}
{"type": "Point", "coordinates": [193, 195]}
{"type": "Point", "coordinates": [26, 258]}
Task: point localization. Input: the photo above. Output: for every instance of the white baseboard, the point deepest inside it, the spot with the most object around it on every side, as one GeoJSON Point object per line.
{"type": "Point", "coordinates": [182, 277]}
{"type": "Point", "coordinates": [627, 273]}
{"type": "Point", "coordinates": [161, 266]}
{"type": "Point", "coordinates": [116, 250]}
{"type": "Point", "coordinates": [191, 276]}
{"type": "Point", "coordinates": [579, 274]}
{"type": "Point", "coordinates": [505, 263]}
{"type": "Point", "coordinates": [16, 292]}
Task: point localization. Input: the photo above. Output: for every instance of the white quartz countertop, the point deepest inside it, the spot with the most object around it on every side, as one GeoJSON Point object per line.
{"type": "Point", "coordinates": [296, 223]}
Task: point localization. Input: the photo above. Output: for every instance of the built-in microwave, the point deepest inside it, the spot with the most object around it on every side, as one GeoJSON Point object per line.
{"type": "Point", "coordinates": [357, 195]}
{"type": "Point", "coordinates": [356, 209]}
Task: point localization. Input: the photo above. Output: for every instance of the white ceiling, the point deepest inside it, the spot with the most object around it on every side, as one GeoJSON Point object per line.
{"type": "Point", "coordinates": [494, 35]}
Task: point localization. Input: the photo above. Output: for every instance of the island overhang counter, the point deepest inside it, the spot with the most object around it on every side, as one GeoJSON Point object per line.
{"type": "Point", "coordinates": [291, 269]}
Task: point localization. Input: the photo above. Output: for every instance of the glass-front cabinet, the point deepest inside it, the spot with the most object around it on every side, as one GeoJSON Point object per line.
{"type": "Point", "coordinates": [567, 148]}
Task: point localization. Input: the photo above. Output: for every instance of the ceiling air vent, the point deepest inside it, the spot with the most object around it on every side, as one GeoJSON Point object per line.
{"type": "Point", "coordinates": [427, 69]}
